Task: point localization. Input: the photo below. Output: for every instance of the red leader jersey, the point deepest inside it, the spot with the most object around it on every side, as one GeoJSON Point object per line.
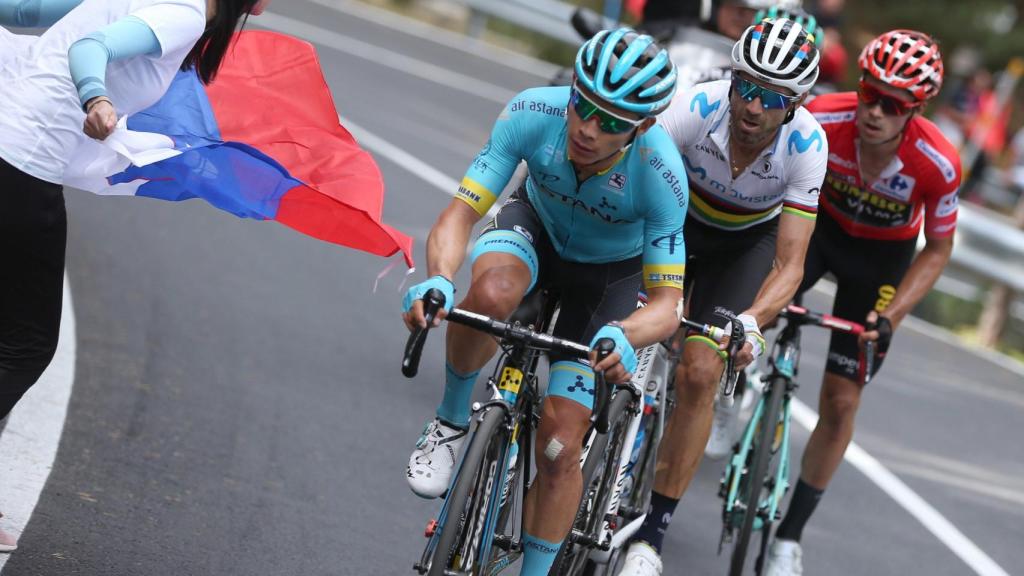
{"type": "Point", "coordinates": [918, 187]}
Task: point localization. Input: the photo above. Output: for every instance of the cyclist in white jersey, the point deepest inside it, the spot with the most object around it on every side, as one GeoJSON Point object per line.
{"type": "Point", "coordinates": [755, 160]}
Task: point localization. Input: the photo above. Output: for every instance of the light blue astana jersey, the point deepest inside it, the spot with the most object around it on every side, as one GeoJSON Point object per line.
{"type": "Point", "coordinates": [637, 206]}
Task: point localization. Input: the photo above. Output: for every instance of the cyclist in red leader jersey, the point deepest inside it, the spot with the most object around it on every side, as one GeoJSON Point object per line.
{"type": "Point", "coordinates": [890, 171]}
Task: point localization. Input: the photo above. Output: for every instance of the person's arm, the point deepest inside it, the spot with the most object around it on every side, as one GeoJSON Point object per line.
{"type": "Point", "coordinates": [88, 57]}
{"type": "Point", "coordinates": [919, 279]}
{"type": "Point", "coordinates": [780, 286]}
{"type": "Point", "coordinates": [483, 182]}
{"type": "Point", "coordinates": [656, 321]}
{"type": "Point", "coordinates": [446, 245]}
{"type": "Point", "coordinates": [34, 13]}
{"type": "Point", "coordinates": [664, 261]}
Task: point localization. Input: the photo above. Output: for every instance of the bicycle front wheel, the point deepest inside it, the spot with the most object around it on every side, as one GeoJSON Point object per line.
{"type": "Point", "coordinates": [478, 484]}
{"type": "Point", "coordinates": [757, 481]}
{"type": "Point", "coordinates": [600, 472]}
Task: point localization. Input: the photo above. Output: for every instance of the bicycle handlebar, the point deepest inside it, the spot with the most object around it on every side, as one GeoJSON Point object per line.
{"type": "Point", "coordinates": [802, 316]}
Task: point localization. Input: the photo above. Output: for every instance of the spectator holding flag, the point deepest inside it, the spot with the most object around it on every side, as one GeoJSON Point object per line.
{"type": "Point", "coordinates": [107, 75]}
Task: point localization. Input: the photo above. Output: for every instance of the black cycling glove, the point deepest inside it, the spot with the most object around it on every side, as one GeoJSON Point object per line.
{"type": "Point", "coordinates": [884, 328]}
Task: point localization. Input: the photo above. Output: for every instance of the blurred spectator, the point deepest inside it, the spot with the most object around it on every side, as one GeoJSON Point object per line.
{"type": "Point", "coordinates": [1015, 173]}
{"type": "Point", "coordinates": [972, 115]}
{"type": "Point", "coordinates": [832, 67]}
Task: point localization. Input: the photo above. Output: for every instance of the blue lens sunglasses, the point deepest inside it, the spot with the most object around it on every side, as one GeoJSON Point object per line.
{"type": "Point", "coordinates": [770, 99]}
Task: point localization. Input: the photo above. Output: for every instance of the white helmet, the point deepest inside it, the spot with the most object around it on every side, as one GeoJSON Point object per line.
{"type": "Point", "coordinates": [766, 4]}
{"type": "Point", "coordinates": [779, 52]}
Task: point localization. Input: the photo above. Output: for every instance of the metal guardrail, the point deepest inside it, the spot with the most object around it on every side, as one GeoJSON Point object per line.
{"type": "Point", "coordinates": [990, 246]}
{"type": "Point", "coordinates": [547, 17]}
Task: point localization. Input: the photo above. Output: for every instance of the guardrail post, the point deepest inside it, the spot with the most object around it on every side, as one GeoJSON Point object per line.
{"type": "Point", "coordinates": [1000, 296]}
{"type": "Point", "coordinates": [477, 23]}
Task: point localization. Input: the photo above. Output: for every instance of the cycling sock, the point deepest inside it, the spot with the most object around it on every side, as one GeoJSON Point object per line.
{"type": "Point", "coordinates": [805, 499]}
{"type": "Point", "coordinates": [657, 521]}
{"type": "Point", "coordinates": [458, 390]}
{"type": "Point", "coordinates": [538, 556]}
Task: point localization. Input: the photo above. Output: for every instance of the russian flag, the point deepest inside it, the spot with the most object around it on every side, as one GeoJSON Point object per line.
{"type": "Point", "coordinates": [262, 141]}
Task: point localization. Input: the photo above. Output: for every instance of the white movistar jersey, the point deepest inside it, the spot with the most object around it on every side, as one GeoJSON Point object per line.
{"type": "Point", "coordinates": [786, 177]}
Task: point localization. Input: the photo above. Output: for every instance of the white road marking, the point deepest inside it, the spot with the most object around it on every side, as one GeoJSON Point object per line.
{"type": "Point", "coordinates": [412, 164]}
{"type": "Point", "coordinates": [28, 445]}
{"type": "Point", "coordinates": [909, 500]}
{"type": "Point", "coordinates": [928, 516]}
{"type": "Point", "coordinates": [384, 57]}
{"type": "Point", "coordinates": [447, 38]}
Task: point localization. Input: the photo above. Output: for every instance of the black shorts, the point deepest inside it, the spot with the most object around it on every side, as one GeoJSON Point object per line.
{"type": "Point", "coordinates": [724, 269]}
{"type": "Point", "coordinates": [590, 295]}
{"type": "Point", "coordinates": [33, 233]}
{"type": "Point", "coordinates": [867, 273]}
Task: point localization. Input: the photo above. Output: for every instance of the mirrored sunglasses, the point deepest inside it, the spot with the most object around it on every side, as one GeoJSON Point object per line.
{"type": "Point", "coordinates": [891, 106]}
{"type": "Point", "coordinates": [770, 99]}
{"type": "Point", "coordinates": [609, 122]}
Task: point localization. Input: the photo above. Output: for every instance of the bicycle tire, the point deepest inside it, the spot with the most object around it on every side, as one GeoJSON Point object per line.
{"type": "Point", "coordinates": [572, 558]}
{"type": "Point", "coordinates": [464, 496]}
{"type": "Point", "coordinates": [755, 480]}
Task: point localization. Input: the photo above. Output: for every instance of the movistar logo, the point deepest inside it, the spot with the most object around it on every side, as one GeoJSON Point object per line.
{"type": "Point", "coordinates": [690, 167]}
{"type": "Point", "coordinates": [705, 108]}
{"type": "Point", "coordinates": [796, 139]}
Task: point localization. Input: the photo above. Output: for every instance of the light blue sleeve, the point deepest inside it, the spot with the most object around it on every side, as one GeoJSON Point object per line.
{"type": "Point", "coordinates": [88, 57]}
{"type": "Point", "coordinates": [34, 13]}
{"type": "Point", "coordinates": [666, 196]}
{"type": "Point", "coordinates": [494, 165]}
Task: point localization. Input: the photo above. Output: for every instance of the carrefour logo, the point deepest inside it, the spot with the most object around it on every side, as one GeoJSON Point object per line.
{"type": "Point", "coordinates": [797, 140]}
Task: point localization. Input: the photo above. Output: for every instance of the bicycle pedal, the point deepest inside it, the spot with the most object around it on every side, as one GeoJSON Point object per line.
{"type": "Point", "coordinates": [431, 528]}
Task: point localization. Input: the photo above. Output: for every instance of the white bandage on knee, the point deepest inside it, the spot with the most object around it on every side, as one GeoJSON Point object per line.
{"type": "Point", "coordinates": [553, 449]}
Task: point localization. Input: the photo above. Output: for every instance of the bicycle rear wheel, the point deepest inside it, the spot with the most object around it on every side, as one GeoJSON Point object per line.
{"type": "Point", "coordinates": [478, 484]}
{"type": "Point", "coordinates": [756, 482]}
{"type": "Point", "coordinates": [599, 476]}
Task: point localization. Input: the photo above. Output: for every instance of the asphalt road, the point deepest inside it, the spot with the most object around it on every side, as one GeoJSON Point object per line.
{"type": "Point", "coordinates": [238, 406]}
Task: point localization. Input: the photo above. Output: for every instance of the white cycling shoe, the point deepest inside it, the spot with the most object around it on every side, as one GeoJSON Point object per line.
{"type": "Point", "coordinates": [431, 463]}
{"type": "Point", "coordinates": [785, 558]}
{"type": "Point", "coordinates": [641, 560]}
{"type": "Point", "coordinates": [723, 430]}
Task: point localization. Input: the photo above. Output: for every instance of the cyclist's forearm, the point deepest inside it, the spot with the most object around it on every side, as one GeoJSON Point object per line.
{"type": "Point", "coordinates": [923, 273]}
{"type": "Point", "coordinates": [782, 282]}
{"type": "Point", "coordinates": [655, 322]}
{"type": "Point", "coordinates": [446, 245]}
{"type": "Point", "coordinates": [777, 290]}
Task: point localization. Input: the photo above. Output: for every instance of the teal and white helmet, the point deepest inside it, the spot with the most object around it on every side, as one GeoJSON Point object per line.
{"type": "Point", "coordinates": [628, 70]}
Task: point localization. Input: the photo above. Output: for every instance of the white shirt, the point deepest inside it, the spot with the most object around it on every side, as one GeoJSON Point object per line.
{"type": "Point", "coordinates": [787, 175]}
{"type": "Point", "coordinates": [42, 127]}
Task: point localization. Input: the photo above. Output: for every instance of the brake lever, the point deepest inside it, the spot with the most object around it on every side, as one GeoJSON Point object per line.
{"type": "Point", "coordinates": [599, 414]}
{"type": "Point", "coordinates": [433, 300]}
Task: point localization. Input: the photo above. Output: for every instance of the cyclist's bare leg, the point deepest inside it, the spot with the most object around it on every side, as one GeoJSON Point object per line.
{"type": "Point", "coordinates": [687, 431]}
{"type": "Point", "coordinates": [499, 283]}
{"type": "Point", "coordinates": [554, 495]}
{"type": "Point", "coordinates": [840, 398]}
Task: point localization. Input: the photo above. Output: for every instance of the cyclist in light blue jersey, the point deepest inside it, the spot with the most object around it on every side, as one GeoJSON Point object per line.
{"type": "Point", "coordinates": [599, 216]}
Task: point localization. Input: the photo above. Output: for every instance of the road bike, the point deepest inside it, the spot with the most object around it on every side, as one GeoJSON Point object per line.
{"type": "Point", "coordinates": [480, 527]}
{"type": "Point", "coordinates": [619, 466]}
{"type": "Point", "coordinates": [756, 476]}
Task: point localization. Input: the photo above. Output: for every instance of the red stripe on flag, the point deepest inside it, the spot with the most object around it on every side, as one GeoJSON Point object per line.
{"type": "Point", "coordinates": [271, 94]}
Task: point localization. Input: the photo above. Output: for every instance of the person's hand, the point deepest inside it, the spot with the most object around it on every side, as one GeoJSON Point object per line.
{"type": "Point", "coordinates": [412, 304]}
{"type": "Point", "coordinates": [100, 118]}
{"type": "Point", "coordinates": [753, 346]}
{"type": "Point", "coordinates": [878, 328]}
{"type": "Point", "coordinates": [618, 366]}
